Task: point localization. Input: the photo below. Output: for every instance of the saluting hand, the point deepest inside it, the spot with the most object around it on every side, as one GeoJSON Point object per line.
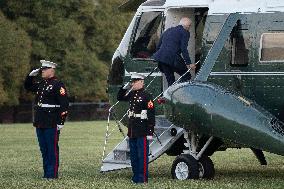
{"type": "Point", "coordinates": [127, 85]}
{"type": "Point", "coordinates": [34, 72]}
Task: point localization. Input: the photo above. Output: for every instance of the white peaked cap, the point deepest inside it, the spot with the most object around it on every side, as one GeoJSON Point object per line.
{"type": "Point", "coordinates": [136, 76]}
{"type": "Point", "coordinates": [47, 64]}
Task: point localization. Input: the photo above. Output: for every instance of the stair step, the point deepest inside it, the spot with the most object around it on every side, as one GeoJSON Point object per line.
{"type": "Point", "coordinates": [159, 130]}
{"type": "Point", "coordinates": [161, 121]}
{"type": "Point", "coordinates": [121, 155]}
{"type": "Point", "coordinates": [118, 162]}
{"type": "Point", "coordinates": [123, 150]}
{"type": "Point", "coordinates": [162, 128]}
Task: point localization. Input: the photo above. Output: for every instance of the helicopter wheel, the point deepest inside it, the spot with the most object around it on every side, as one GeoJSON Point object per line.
{"type": "Point", "coordinates": [185, 167]}
{"type": "Point", "coordinates": [206, 168]}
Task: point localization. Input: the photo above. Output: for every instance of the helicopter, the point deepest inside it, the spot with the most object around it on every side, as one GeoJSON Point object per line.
{"type": "Point", "coordinates": [234, 99]}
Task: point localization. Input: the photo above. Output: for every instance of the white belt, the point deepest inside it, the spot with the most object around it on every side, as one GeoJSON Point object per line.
{"type": "Point", "coordinates": [136, 115]}
{"type": "Point", "coordinates": [143, 114]}
{"type": "Point", "coordinates": [132, 114]}
{"type": "Point", "coordinates": [48, 106]}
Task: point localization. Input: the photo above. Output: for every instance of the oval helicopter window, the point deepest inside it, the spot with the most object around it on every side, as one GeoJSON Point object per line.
{"type": "Point", "coordinates": [272, 47]}
{"type": "Point", "coordinates": [147, 35]}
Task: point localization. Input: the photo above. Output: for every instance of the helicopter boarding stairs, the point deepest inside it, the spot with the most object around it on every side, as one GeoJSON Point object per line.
{"type": "Point", "coordinates": [165, 135]}
{"type": "Point", "coordinates": [165, 132]}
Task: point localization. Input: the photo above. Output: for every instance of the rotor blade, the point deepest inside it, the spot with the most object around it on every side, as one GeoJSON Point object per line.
{"type": "Point", "coordinates": [259, 155]}
{"type": "Point", "coordinates": [130, 5]}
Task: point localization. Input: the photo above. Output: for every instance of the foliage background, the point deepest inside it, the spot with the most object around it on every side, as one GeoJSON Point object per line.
{"type": "Point", "coordinates": [79, 35]}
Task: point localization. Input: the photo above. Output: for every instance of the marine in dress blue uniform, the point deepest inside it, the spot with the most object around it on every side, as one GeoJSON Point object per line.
{"type": "Point", "coordinates": [51, 109]}
{"type": "Point", "coordinates": [140, 126]}
{"type": "Point", "coordinates": [172, 44]}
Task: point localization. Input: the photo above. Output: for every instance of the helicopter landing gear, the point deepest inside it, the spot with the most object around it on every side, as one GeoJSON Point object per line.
{"type": "Point", "coordinates": [206, 168]}
{"type": "Point", "coordinates": [185, 167]}
{"type": "Point", "coordinates": [192, 164]}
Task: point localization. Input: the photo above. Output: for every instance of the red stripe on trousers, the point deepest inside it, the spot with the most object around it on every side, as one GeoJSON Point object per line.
{"type": "Point", "coordinates": [55, 152]}
{"type": "Point", "coordinates": [145, 158]}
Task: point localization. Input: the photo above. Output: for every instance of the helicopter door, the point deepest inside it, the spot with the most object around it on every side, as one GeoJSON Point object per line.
{"type": "Point", "coordinates": [143, 43]}
{"type": "Point", "coordinates": [172, 19]}
{"type": "Point", "coordinates": [240, 42]}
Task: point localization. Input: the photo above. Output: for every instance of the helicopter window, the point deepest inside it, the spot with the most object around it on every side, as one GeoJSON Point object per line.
{"type": "Point", "coordinates": [147, 35]}
{"type": "Point", "coordinates": [116, 72]}
{"type": "Point", "coordinates": [239, 49]}
{"type": "Point", "coordinates": [272, 47]}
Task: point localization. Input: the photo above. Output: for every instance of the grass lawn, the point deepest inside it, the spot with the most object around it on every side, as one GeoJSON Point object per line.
{"type": "Point", "coordinates": [81, 145]}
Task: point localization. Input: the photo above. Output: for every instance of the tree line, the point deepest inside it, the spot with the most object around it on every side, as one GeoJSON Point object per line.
{"type": "Point", "coordinates": [79, 35]}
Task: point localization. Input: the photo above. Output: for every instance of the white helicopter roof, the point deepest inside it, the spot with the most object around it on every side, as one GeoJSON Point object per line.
{"type": "Point", "coordinates": [216, 7]}
{"type": "Point", "coordinates": [220, 6]}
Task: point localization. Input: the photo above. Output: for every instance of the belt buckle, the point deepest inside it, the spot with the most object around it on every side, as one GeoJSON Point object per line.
{"type": "Point", "coordinates": [130, 113]}
{"type": "Point", "coordinates": [144, 114]}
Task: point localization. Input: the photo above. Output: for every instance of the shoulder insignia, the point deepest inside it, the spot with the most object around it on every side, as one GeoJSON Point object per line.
{"type": "Point", "coordinates": [62, 91]}
{"type": "Point", "coordinates": [150, 105]}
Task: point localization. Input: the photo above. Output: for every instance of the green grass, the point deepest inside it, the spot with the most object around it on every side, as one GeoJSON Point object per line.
{"type": "Point", "coordinates": [81, 145]}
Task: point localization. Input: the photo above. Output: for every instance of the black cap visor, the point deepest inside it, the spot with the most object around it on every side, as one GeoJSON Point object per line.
{"type": "Point", "coordinates": [44, 68]}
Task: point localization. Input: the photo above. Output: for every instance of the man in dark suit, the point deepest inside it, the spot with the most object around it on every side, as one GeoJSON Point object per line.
{"type": "Point", "coordinates": [173, 43]}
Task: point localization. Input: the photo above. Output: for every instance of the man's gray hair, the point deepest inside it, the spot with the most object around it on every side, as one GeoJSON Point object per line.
{"type": "Point", "coordinates": [185, 21]}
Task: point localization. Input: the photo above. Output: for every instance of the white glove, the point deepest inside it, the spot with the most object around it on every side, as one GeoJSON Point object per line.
{"type": "Point", "coordinates": [149, 137]}
{"type": "Point", "coordinates": [126, 86]}
{"type": "Point", "coordinates": [59, 127]}
{"type": "Point", "coordinates": [34, 72]}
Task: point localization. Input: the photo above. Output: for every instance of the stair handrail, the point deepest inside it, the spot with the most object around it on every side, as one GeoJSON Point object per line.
{"type": "Point", "coordinates": [111, 108]}
{"type": "Point", "coordinates": [176, 81]}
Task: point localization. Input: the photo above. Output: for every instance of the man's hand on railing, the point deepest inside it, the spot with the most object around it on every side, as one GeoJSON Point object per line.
{"type": "Point", "coordinates": [191, 66]}
{"type": "Point", "coordinates": [59, 127]}
{"type": "Point", "coordinates": [149, 137]}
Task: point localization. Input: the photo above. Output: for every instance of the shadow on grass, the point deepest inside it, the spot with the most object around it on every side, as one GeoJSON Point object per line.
{"type": "Point", "coordinates": [163, 173]}
{"type": "Point", "coordinates": [260, 173]}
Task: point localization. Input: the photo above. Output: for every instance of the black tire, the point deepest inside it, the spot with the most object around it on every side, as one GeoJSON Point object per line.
{"type": "Point", "coordinates": [206, 168]}
{"type": "Point", "coordinates": [185, 167]}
